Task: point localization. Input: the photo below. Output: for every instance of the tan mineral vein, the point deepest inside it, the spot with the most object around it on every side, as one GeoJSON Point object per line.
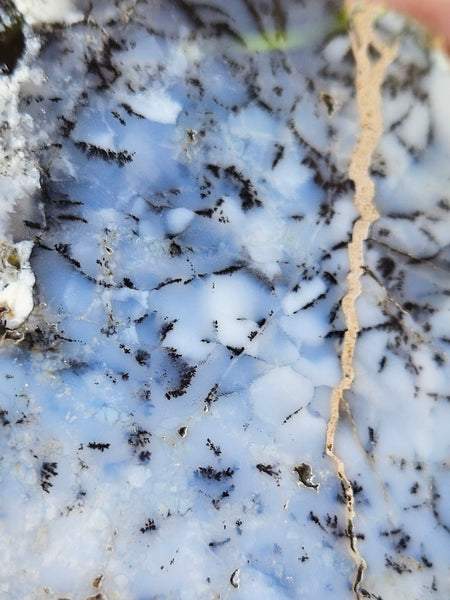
{"type": "Point", "coordinates": [371, 57]}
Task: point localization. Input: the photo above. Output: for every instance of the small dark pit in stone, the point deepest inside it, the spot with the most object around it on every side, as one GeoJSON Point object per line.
{"type": "Point", "coordinates": [175, 249]}
{"type": "Point", "coordinates": [329, 101]}
{"type": "Point", "coordinates": [234, 578]}
{"type": "Point", "coordinates": [304, 473]}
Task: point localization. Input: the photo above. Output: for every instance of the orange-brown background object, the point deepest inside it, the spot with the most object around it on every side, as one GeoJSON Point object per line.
{"type": "Point", "coordinates": [435, 14]}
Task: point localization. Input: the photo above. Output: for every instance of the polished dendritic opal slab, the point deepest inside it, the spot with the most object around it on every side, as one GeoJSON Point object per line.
{"type": "Point", "coordinates": [182, 170]}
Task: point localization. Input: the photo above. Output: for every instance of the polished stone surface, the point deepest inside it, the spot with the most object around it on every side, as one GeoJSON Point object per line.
{"type": "Point", "coordinates": [182, 169]}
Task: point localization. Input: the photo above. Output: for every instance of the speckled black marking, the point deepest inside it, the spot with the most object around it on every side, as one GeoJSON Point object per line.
{"type": "Point", "coordinates": [315, 519]}
{"type": "Point", "coordinates": [215, 449]}
{"type": "Point", "coordinates": [292, 414]}
{"type": "Point", "coordinates": [67, 126]}
{"type": "Point", "coordinates": [212, 395]}
{"type": "Point", "coordinates": [142, 357]}
{"type": "Point", "coordinates": [205, 212]}
{"type": "Point", "coordinates": [99, 446]}
{"type": "Point", "coordinates": [216, 502]}
{"type": "Point", "coordinates": [228, 270]}
{"type": "Point", "coordinates": [187, 374]}
{"type": "Point", "coordinates": [117, 116]}
{"type": "Point", "coordinates": [326, 174]}
{"type": "Point", "coordinates": [444, 204]}
{"type": "Point", "coordinates": [218, 543]}
{"type": "Point", "coordinates": [121, 157]}
{"type": "Point", "coordinates": [386, 266]}
{"type": "Point", "coordinates": [382, 364]}
{"type": "Point", "coordinates": [268, 470]}
{"type": "Point", "coordinates": [69, 217]}
{"type": "Point", "coordinates": [398, 567]}
{"type": "Point", "coordinates": [166, 328]}
{"type": "Point", "coordinates": [435, 497]}
{"type": "Point", "coordinates": [278, 155]}
{"type": "Point", "coordinates": [365, 594]}
{"type": "Point", "coordinates": [236, 351]}
{"type": "Point", "coordinates": [48, 471]}
{"type": "Point", "coordinates": [127, 108]}
{"type": "Point", "coordinates": [128, 283]}
{"type": "Point", "coordinates": [139, 440]}
{"type": "Point", "coordinates": [167, 282]}
{"type": "Point", "coordinates": [3, 414]}
{"type": "Point", "coordinates": [247, 194]}
{"type": "Point", "coordinates": [214, 475]}
{"type": "Point", "coordinates": [426, 562]}
{"type": "Point", "coordinates": [148, 526]}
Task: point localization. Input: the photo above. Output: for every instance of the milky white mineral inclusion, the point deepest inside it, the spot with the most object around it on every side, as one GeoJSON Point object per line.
{"type": "Point", "coordinates": [45, 11]}
{"type": "Point", "coordinates": [16, 283]}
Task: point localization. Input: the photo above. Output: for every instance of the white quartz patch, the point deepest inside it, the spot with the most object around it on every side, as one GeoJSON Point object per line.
{"type": "Point", "coordinates": [19, 175]}
{"type": "Point", "coordinates": [156, 105]}
{"type": "Point", "coordinates": [16, 283]}
{"type": "Point", "coordinates": [178, 219]}
{"type": "Point", "coordinates": [47, 11]}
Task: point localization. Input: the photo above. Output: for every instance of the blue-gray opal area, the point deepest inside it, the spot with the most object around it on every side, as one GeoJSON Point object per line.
{"type": "Point", "coordinates": [182, 170]}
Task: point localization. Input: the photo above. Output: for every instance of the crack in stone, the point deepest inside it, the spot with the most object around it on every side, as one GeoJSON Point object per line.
{"type": "Point", "coordinates": [371, 57]}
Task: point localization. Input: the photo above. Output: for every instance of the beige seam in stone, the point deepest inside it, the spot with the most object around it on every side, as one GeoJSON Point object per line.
{"type": "Point", "coordinates": [369, 78]}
